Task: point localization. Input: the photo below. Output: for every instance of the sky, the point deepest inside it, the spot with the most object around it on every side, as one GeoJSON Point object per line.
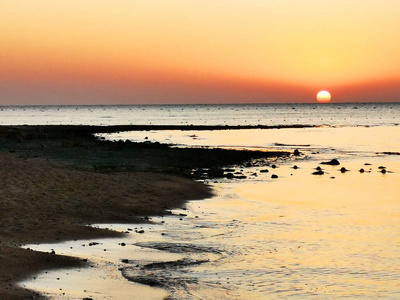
{"type": "Point", "coordinates": [198, 51]}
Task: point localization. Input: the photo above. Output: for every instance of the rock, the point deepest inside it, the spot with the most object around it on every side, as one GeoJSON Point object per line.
{"type": "Point", "coordinates": [318, 169]}
{"type": "Point", "coordinates": [362, 170]}
{"type": "Point", "coordinates": [343, 170]}
{"type": "Point", "coordinates": [215, 172]}
{"type": "Point", "coordinates": [273, 166]}
{"type": "Point", "coordinates": [381, 167]}
{"type": "Point", "coordinates": [296, 152]}
{"type": "Point", "coordinates": [230, 176]}
{"type": "Point", "coordinates": [319, 172]}
{"type": "Point", "coordinates": [274, 176]}
{"type": "Point", "coordinates": [295, 167]}
{"type": "Point", "coordinates": [264, 171]}
{"type": "Point", "coordinates": [383, 171]}
{"type": "Point", "coordinates": [125, 261]}
{"type": "Point", "coordinates": [333, 162]}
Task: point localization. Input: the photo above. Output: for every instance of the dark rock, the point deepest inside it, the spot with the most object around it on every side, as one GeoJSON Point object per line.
{"type": "Point", "coordinates": [333, 162]}
{"type": "Point", "coordinates": [319, 172]}
{"type": "Point", "coordinates": [264, 171]}
{"type": "Point", "coordinates": [367, 164]}
{"type": "Point", "coordinates": [381, 167]}
{"type": "Point", "coordinates": [362, 170]}
{"type": "Point", "coordinates": [295, 167]}
{"type": "Point", "coordinates": [273, 166]}
{"type": "Point", "coordinates": [230, 176]}
{"type": "Point", "coordinates": [296, 152]}
{"type": "Point", "coordinates": [241, 177]}
{"type": "Point", "coordinates": [140, 231]}
{"type": "Point", "coordinates": [343, 170]}
{"type": "Point", "coordinates": [383, 171]}
{"type": "Point", "coordinates": [318, 169]}
{"type": "Point", "coordinates": [274, 176]}
{"type": "Point", "coordinates": [215, 172]}
{"type": "Point", "coordinates": [229, 170]}
{"type": "Point", "coordinates": [125, 261]}
{"type": "Point", "coordinates": [123, 244]}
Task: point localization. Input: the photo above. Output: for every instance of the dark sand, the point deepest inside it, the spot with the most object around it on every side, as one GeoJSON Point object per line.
{"type": "Point", "coordinates": [57, 179]}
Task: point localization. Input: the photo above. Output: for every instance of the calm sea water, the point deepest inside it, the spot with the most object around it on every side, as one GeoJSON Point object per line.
{"type": "Point", "coordinates": [249, 114]}
{"type": "Point", "coordinates": [300, 236]}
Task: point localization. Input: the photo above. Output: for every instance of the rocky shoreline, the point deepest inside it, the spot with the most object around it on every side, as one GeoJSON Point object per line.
{"type": "Point", "coordinates": [57, 179]}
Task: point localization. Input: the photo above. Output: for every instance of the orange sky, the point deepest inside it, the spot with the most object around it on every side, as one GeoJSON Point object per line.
{"type": "Point", "coordinates": [203, 51]}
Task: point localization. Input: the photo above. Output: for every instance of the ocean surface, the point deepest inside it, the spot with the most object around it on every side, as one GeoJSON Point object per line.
{"type": "Point", "coordinates": [298, 236]}
{"type": "Point", "coordinates": [359, 114]}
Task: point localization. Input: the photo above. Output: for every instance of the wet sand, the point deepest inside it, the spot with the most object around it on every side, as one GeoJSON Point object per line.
{"type": "Point", "coordinates": [54, 182]}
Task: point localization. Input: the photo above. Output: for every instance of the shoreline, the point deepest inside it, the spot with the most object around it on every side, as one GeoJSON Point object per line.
{"type": "Point", "coordinates": [58, 179]}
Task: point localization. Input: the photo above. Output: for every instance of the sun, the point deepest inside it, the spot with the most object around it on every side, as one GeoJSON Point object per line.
{"type": "Point", "coordinates": [323, 97]}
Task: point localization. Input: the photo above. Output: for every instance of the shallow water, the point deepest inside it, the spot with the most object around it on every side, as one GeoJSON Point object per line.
{"type": "Point", "coordinates": [335, 140]}
{"type": "Point", "coordinates": [298, 236]}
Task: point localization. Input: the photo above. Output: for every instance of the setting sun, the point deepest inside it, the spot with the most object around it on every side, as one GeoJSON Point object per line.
{"type": "Point", "coordinates": [323, 96]}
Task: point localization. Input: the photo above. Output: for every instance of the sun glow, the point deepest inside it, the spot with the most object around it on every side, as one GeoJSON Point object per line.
{"type": "Point", "coordinates": [323, 97]}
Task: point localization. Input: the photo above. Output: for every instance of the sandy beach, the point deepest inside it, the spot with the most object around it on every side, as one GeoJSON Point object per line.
{"type": "Point", "coordinates": [53, 184]}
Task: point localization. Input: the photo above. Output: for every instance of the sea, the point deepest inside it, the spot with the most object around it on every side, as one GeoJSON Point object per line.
{"type": "Point", "coordinates": [296, 235]}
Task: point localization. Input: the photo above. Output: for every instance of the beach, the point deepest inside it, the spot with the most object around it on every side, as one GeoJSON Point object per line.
{"type": "Point", "coordinates": [55, 182]}
{"type": "Point", "coordinates": [294, 212]}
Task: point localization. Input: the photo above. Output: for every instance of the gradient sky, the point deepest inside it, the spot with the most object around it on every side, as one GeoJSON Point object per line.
{"type": "Point", "coordinates": [198, 51]}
